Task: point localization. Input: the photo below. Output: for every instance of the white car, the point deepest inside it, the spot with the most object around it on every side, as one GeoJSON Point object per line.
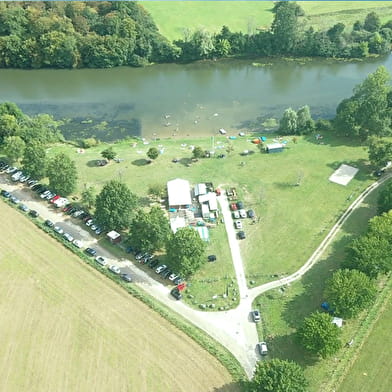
{"type": "Point", "coordinates": [44, 194]}
{"type": "Point", "coordinates": [262, 346]}
{"type": "Point", "coordinates": [160, 268]}
{"type": "Point", "coordinates": [101, 260]}
{"type": "Point", "coordinates": [242, 213]}
{"type": "Point", "coordinates": [89, 222]}
{"type": "Point", "coordinates": [173, 276]}
{"type": "Point", "coordinates": [236, 214]}
{"type": "Point", "coordinates": [62, 202]}
{"type": "Point", "coordinates": [16, 176]}
{"type": "Point", "coordinates": [68, 237]}
{"type": "Point", "coordinates": [78, 243]}
{"type": "Point", "coordinates": [116, 270]}
{"type": "Point", "coordinates": [238, 224]}
{"type": "Point", "coordinates": [58, 229]}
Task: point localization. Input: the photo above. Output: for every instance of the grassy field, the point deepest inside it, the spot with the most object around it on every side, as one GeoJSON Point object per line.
{"type": "Point", "coordinates": [264, 182]}
{"type": "Point", "coordinates": [65, 327]}
{"type": "Point", "coordinates": [371, 371]}
{"type": "Point", "coordinates": [284, 309]}
{"type": "Point", "coordinates": [174, 17]}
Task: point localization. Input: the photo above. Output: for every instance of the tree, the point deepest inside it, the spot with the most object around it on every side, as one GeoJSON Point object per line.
{"type": "Point", "coordinates": [157, 190]}
{"type": "Point", "coordinates": [9, 126]}
{"type": "Point", "coordinates": [288, 123]}
{"type": "Point", "coordinates": [88, 196]}
{"type": "Point", "coordinates": [319, 335]}
{"type": "Point", "coordinates": [186, 249]}
{"type": "Point", "coordinates": [62, 174]}
{"type": "Point", "coordinates": [384, 202]}
{"type": "Point", "coordinates": [278, 375]}
{"type": "Point", "coordinates": [109, 153]}
{"type": "Point", "coordinates": [372, 22]}
{"type": "Point", "coordinates": [349, 292]}
{"type": "Point", "coordinates": [115, 206]}
{"type": "Point", "coordinates": [198, 152]}
{"type": "Point", "coordinates": [153, 153]}
{"type": "Point", "coordinates": [14, 148]}
{"type": "Point", "coordinates": [380, 151]}
{"type": "Point", "coordinates": [305, 123]}
{"type": "Point", "coordinates": [149, 231]}
{"type": "Point", "coordinates": [34, 160]}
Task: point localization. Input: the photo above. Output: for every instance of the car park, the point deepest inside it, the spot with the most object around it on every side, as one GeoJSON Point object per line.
{"type": "Point", "coordinates": [242, 213]}
{"type": "Point", "coordinates": [160, 268]}
{"type": "Point", "coordinates": [100, 260]}
{"type": "Point", "coordinates": [251, 214]}
{"type": "Point", "coordinates": [176, 293]}
{"type": "Point", "coordinates": [211, 258]}
{"type": "Point", "coordinates": [91, 251]}
{"type": "Point", "coordinates": [262, 347]}
{"type": "Point", "coordinates": [256, 316]}
{"type": "Point", "coordinates": [115, 269]}
{"type": "Point", "coordinates": [34, 213]}
{"type": "Point", "coordinates": [68, 237]}
{"type": "Point", "coordinates": [241, 235]}
{"type": "Point", "coordinates": [126, 277]}
{"type": "Point", "coordinates": [78, 243]}
{"type": "Point", "coordinates": [236, 214]}
{"type": "Point", "coordinates": [172, 276]}
{"type": "Point", "coordinates": [238, 224]}
{"type": "Point", "coordinates": [6, 194]}
{"type": "Point", "coordinates": [24, 208]}
{"type": "Point", "coordinates": [58, 230]}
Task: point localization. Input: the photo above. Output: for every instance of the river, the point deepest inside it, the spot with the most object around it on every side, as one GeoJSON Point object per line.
{"type": "Point", "coordinates": [183, 100]}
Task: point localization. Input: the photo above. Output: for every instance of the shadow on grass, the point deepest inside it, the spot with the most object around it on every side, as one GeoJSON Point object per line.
{"type": "Point", "coordinates": [332, 140]}
{"type": "Point", "coordinates": [93, 163]}
{"type": "Point", "coordinates": [231, 387]}
{"type": "Point", "coordinates": [141, 162]}
{"type": "Point", "coordinates": [185, 161]}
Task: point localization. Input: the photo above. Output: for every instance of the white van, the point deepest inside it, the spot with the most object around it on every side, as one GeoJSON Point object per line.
{"type": "Point", "coordinates": [263, 350]}
{"type": "Point", "coordinates": [15, 177]}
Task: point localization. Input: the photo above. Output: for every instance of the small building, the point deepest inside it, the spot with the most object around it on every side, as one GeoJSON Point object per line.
{"type": "Point", "coordinates": [177, 223]}
{"type": "Point", "coordinates": [203, 233]}
{"type": "Point", "coordinates": [200, 189]}
{"type": "Point", "coordinates": [205, 211]}
{"type": "Point", "coordinates": [114, 237]}
{"type": "Point", "coordinates": [179, 193]}
{"type": "Point", "coordinates": [209, 198]}
{"type": "Point", "coordinates": [274, 147]}
{"type": "Point", "coordinates": [337, 321]}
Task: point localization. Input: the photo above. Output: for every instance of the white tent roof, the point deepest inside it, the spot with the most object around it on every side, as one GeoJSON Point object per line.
{"type": "Point", "coordinates": [179, 193]}
{"type": "Point", "coordinates": [113, 235]}
{"type": "Point", "coordinates": [177, 223]}
{"type": "Point", "coordinates": [337, 321]}
{"type": "Point", "coordinates": [274, 146]}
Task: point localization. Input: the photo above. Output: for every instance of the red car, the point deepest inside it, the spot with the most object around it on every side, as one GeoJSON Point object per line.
{"type": "Point", "coordinates": [53, 199]}
{"type": "Point", "coordinates": [233, 207]}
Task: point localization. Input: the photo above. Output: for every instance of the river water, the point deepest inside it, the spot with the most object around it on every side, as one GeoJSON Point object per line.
{"type": "Point", "coordinates": [181, 100]}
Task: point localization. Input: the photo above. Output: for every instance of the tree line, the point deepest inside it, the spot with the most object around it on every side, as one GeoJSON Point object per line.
{"type": "Point", "coordinates": [109, 34]}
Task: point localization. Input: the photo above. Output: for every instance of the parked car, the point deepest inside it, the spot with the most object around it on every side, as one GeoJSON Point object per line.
{"type": "Point", "coordinates": [11, 169]}
{"type": "Point", "coordinates": [78, 243]}
{"type": "Point", "coordinates": [211, 258]}
{"type": "Point", "coordinates": [68, 237]}
{"type": "Point", "coordinates": [58, 230]}
{"type": "Point", "coordinates": [236, 214]}
{"type": "Point", "coordinates": [98, 231]}
{"type": "Point", "coordinates": [176, 293]}
{"type": "Point", "coordinates": [241, 235]}
{"type": "Point", "coordinates": [233, 206]}
{"type": "Point", "coordinates": [35, 187]}
{"type": "Point", "coordinates": [49, 223]}
{"type": "Point", "coordinates": [24, 208]}
{"type": "Point", "coordinates": [126, 277]}
{"type": "Point", "coordinates": [89, 222]}
{"type": "Point", "coordinates": [15, 177]}
{"type": "Point", "coordinates": [166, 273]}
{"type": "Point", "coordinates": [44, 194]}
{"type": "Point", "coordinates": [154, 263]}
{"type": "Point", "coordinates": [24, 178]}
{"type": "Point", "coordinates": [100, 260]}
{"type": "Point", "coordinates": [178, 280]}
{"type": "Point", "coordinates": [256, 316]}
{"type": "Point", "coordinates": [160, 268]}
{"type": "Point", "coordinates": [6, 194]}
{"type": "Point", "coordinates": [262, 347]}
{"type": "Point", "coordinates": [91, 251]}
{"type": "Point", "coordinates": [172, 276]}
{"type": "Point", "coordinates": [77, 213]}
{"type": "Point", "coordinates": [34, 213]}
{"type": "Point", "coordinates": [242, 213]}
{"type": "Point", "coordinates": [55, 198]}
{"type": "Point", "coordinates": [238, 224]}
{"type": "Point", "coordinates": [251, 214]}
{"type": "Point", "coordinates": [14, 199]}
{"type": "Point", "coordinates": [93, 227]}
{"type": "Point", "coordinates": [240, 205]}
{"type": "Point", "coordinates": [116, 270]}
{"type": "Point", "coordinates": [139, 255]}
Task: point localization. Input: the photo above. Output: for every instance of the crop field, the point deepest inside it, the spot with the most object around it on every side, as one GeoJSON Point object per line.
{"type": "Point", "coordinates": [175, 17]}
{"type": "Point", "coordinates": [65, 327]}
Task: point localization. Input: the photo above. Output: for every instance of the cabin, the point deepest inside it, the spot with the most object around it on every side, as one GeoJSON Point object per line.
{"type": "Point", "coordinates": [274, 147]}
{"type": "Point", "coordinates": [113, 237]}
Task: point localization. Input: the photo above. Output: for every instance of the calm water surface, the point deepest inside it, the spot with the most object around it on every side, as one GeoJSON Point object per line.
{"type": "Point", "coordinates": [181, 100]}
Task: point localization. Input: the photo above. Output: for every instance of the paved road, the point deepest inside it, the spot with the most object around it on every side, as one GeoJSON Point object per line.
{"type": "Point", "coordinates": [233, 329]}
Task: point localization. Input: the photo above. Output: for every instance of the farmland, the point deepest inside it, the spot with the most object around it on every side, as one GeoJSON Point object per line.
{"type": "Point", "coordinates": [65, 327]}
{"type": "Point", "coordinates": [175, 17]}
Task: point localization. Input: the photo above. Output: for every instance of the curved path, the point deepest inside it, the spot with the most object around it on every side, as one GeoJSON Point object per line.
{"type": "Point", "coordinates": [234, 329]}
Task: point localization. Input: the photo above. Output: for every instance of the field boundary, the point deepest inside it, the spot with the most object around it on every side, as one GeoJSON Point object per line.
{"type": "Point", "coordinates": [217, 350]}
{"type": "Point", "coordinates": [366, 326]}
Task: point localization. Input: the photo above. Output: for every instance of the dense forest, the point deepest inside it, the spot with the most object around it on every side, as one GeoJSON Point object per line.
{"type": "Point", "coordinates": [108, 34]}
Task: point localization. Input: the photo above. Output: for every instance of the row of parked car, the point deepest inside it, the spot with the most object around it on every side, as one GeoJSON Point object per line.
{"type": "Point", "coordinates": [238, 211]}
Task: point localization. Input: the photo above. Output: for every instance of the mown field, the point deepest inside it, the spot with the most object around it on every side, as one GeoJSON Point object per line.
{"type": "Point", "coordinates": [65, 327]}
{"type": "Point", "coordinates": [174, 17]}
{"type": "Point", "coordinates": [284, 309]}
{"type": "Point", "coordinates": [291, 219]}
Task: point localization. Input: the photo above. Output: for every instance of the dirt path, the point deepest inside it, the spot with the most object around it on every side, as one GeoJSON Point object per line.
{"type": "Point", "coordinates": [234, 329]}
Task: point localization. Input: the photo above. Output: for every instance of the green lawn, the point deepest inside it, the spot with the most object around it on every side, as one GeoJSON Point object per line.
{"type": "Point", "coordinates": [372, 370]}
{"type": "Point", "coordinates": [284, 309]}
{"type": "Point", "coordinates": [264, 182]}
{"type": "Point", "coordinates": [174, 17]}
